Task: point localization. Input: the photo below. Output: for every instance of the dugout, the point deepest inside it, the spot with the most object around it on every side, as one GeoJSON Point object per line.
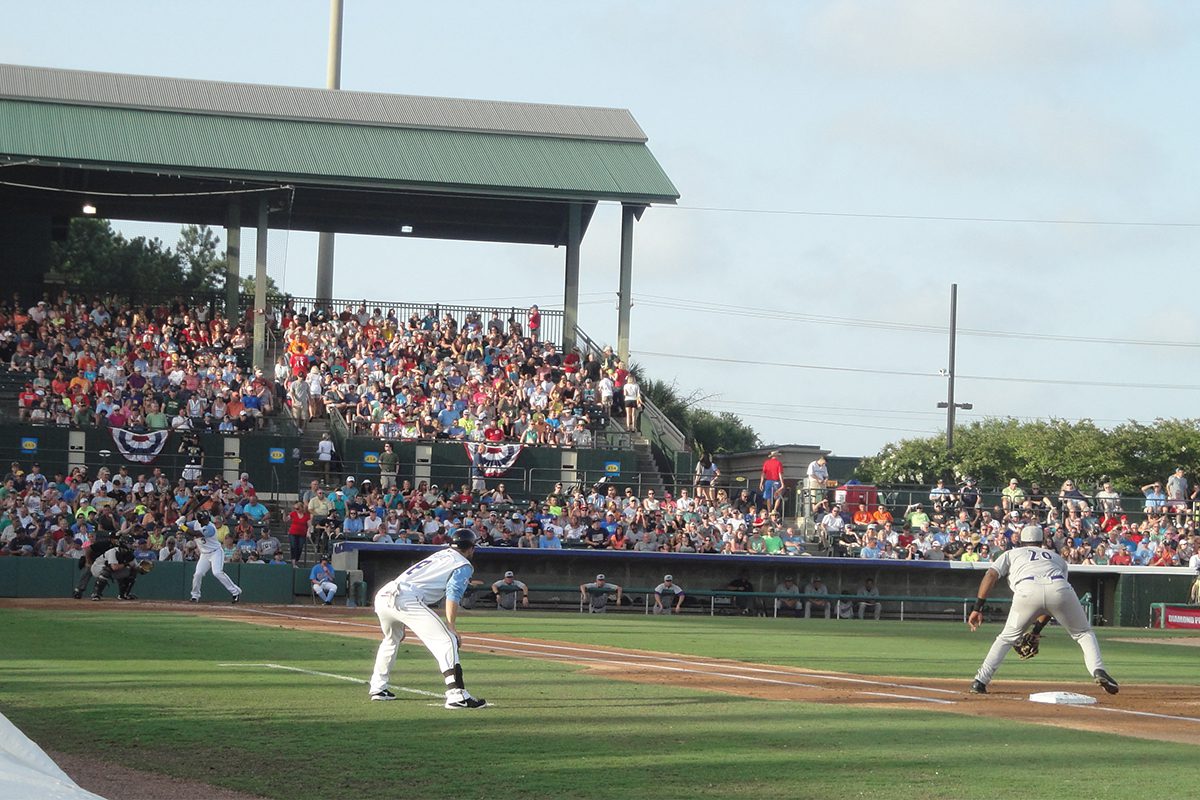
{"type": "Point", "coordinates": [156, 149]}
{"type": "Point", "coordinates": [1121, 595]}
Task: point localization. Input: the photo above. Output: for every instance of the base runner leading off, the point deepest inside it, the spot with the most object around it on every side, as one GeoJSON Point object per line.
{"type": "Point", "coordinates": [1038, 578]}
{"type": "Point", "coordinates": [407, 601]}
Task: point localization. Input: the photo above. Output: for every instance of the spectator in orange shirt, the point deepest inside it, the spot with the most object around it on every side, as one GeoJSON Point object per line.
{"type": "Point", "coordinates": [863, 517]}
{"type": "Point", "coordinates": [881, 515]}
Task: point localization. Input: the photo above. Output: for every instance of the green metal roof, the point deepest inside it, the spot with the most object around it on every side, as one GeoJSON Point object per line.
{"type": "Point", "coordinates": [334, 153]}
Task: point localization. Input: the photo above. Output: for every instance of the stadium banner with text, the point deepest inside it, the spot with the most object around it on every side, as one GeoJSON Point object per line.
{"type": "Point", "coordinates": [1180, 616]}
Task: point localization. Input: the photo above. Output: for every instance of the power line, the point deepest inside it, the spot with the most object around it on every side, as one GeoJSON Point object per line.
{"type": "Point", "coordinates": [791, 212]}
{"type": "Point", "coordinates": [935, 217]}
{"type": "Point", "coordinates": [837, 424]}
{"type": "Point", "coordinates": [786, 365]}
{"type": "Point", "coordinates": [90, 193]}
{"type": "Point", "coordinates": [885, 413]}
{"type": "Point", "coordinates": [708, 307]}
{"type": "Point", "coordinates": [820, 408]}
{"type": "Point", "coordinates": [998, 378]}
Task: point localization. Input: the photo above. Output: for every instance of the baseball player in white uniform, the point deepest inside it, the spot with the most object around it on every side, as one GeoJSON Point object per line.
{"type": "Point", "coordinates": [211, 557]}
{"type": "Point", "coordinates": [407, 600]}
{"type": "Point", "coordinates": [1038, 578]}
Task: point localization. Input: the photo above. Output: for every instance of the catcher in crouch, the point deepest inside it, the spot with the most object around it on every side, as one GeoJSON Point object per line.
{"type": "Point", "coordinates": [119, 564]}
{"type": "Point", "coordinates": [1038, 578]}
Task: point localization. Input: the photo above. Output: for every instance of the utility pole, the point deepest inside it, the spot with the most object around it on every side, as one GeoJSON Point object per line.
{"type": "Point", "coordinates": [950, 405]}
{"type": "Point", "coordinates": [333, 80]}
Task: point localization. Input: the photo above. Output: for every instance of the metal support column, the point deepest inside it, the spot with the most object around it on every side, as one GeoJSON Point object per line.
{"type": "Point", "coordinates": [333, 80]}
{"type": "Point", "coordinates": [571, 287]}
{"type": "Point", "coordinates": [233, 260]}
{"type": "Point", "coordinates": [625, 293]}
{"type": "Point", "coordinates": [260, 287]}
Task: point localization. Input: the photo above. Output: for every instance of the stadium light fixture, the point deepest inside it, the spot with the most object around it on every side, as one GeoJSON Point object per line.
{"type": "Point", "coordinates": [89, 209]}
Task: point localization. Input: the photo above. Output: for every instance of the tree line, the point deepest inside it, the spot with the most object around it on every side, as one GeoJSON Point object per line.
{"type": "Point", "coordinates": [1130, 455]}
{"type": "Point", "coordinates": [96, 257]}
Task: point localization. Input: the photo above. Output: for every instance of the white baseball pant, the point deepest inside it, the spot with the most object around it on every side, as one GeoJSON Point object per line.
{"type": "Point", "coordinates": [864, 604]}
{"type": "Point", "coordinates": [325, 590]}
{"type": "Point", "coordinates": [1032, 598]}
{"type": "Point", "coordinates": [395, 611]}
{"type": "Point", "coordinates": [214, 560]}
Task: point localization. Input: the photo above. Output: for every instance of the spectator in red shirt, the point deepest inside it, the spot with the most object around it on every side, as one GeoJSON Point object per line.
{"type": "Point", "coordinates": [535, 323]}
{"type": "Point", "coordinates": [299, 527]}
{"type": "Point", "coordinates": [770, 484]}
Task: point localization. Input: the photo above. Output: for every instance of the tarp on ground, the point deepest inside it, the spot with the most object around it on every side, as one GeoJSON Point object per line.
{"type": "Point", "coordinates": [27, 773]}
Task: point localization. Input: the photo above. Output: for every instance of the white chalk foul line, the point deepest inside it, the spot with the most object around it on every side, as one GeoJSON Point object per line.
{"type": "Point", "coordinates": [911, 697]}
{"type": "Point", "coordinates": [346, 678]}
{"type": "Point", "coordinates": [752, 678]}
{"type": "Point", "coordinates": [538, 645]}
{"type": "Point", "coordinates": [1142, 713]}
{"type": "Point", "coordinates": [663, 667]}
{"type": "Point", "coordinates": [325, 620]}
{"type": "Point", "coordinates": [740, 667]}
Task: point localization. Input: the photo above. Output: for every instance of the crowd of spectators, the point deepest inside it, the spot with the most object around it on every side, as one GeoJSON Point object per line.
{"type": "Point", "coordinates": [58, 516]}
{"type": "Point", "coordinates": [425, 377]}
{"type": "Point", "coordinates": [149, 367]}
{"type": "Point", "coordinates": [172, 366]}
{"type": "Point", "coordinates": [144, 368]}
{"type": "Point", "coordinates": [601, 518]}
{"type": "Point", "coordinates": [1157, 528]}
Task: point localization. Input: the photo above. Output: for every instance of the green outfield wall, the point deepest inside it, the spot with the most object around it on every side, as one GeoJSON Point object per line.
{"type": "Point", "coordinates": [260, 583]}
{"type": "Point", "coordinates": [271, 460]}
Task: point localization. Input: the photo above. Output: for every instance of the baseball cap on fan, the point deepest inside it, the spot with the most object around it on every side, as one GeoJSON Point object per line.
{"type": "Point", "coordinates": [508, 574]}
{"type": "Point", "coordinates": [668, 578]}
{"type": "Point", "coordinates": [600, 577]}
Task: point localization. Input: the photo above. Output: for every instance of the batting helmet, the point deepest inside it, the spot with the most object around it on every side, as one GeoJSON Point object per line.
{"type": "Point", "coordinates": [462, 539]}
{"type": "Point", "coordinates": [1032, 534]}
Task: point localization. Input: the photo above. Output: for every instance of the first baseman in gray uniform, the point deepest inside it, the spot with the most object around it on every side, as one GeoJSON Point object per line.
{"type": "Point", "coordinates": [1038, 578]}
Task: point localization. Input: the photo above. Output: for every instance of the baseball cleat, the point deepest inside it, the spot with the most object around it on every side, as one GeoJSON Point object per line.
{"type": "Point", "coordinates": [95, 597]}
{"type": "Point", "coordinates": [382, 694]}
{"type": "Point", "coordinates": [236, 598]}
{"type": "Point", "coordinates": [467, 702]}
{"type": "Point", "coordinates": [127, 597]}
{"type": "Point", "coordinates": [1106, 681]}
{"type": "Point", "coordinates": [78, 595]}
{"type": "Point", "coordinates": [978, 687]}
{"type": "Point", "coordinates": [194, 600]}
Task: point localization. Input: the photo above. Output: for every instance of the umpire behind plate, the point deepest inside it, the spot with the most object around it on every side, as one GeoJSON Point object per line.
{"type": "Point", "coordinates": [1038, 578]}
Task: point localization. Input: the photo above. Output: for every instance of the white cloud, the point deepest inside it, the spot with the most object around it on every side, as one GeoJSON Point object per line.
{"type": "Point", "coordinates": [939, 36]}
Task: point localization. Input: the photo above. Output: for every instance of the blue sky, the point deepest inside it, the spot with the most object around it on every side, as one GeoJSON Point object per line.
{"type": "Point", "coordinates": [1066, 111]}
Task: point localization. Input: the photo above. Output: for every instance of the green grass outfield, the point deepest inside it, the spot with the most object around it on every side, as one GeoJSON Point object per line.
{"type": "Point", "coordinates": [145, 689]}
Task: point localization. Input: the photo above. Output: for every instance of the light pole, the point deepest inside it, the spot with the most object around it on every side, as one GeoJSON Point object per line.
{"type": "Point", "coordinates": [949, 403]}
{"type": "Point", "coordinates": [333, 80]}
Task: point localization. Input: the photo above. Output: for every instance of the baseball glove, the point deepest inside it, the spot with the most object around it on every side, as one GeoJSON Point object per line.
{"type": "Point", "coordinates": [145, 566]}
{"type": "Point", "coordinates": [1027, 645]}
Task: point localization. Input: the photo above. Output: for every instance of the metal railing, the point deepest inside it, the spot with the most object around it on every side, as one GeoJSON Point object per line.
{"type": "Point", "coordinates": [551, 328]}
{"type": "Point", "coordinates": [899, 498]}
{"type": "Point", "coordinates": [584, 438]}
{"type": "Point", "coordinates": [654, 424]}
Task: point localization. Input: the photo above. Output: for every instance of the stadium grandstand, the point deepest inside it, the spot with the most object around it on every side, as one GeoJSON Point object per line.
{"type": "Point", "coordinates": [391, 422]}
